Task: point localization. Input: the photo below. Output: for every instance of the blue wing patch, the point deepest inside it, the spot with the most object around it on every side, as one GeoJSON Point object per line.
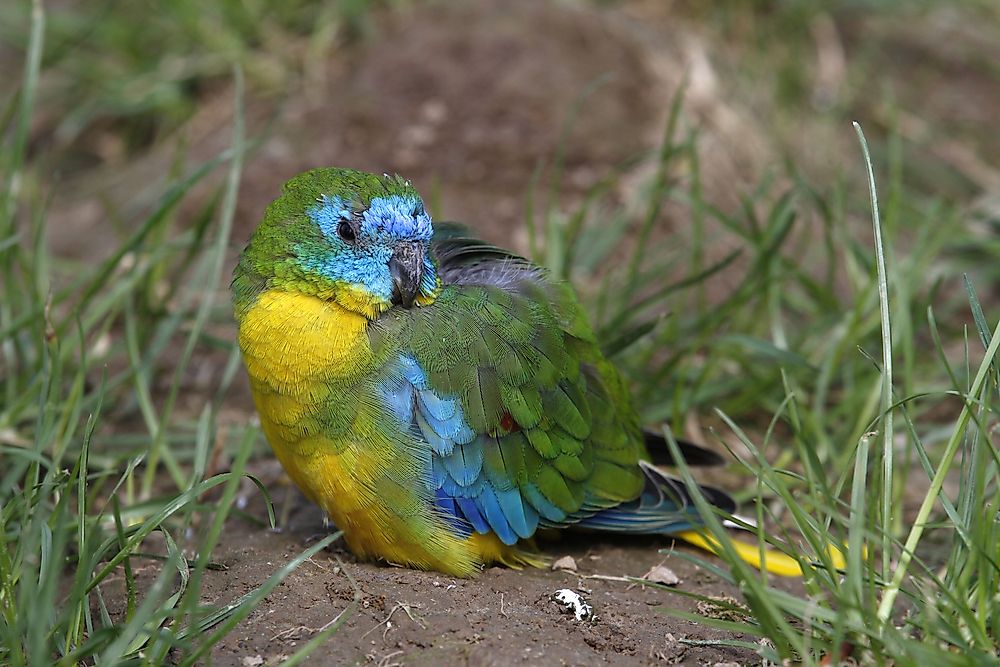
{"type": "Point", "coordinates": [462, 491]}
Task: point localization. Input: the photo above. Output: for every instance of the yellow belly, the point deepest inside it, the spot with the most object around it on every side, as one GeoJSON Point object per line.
{"type": "Point", "coordinates": [298, 351]}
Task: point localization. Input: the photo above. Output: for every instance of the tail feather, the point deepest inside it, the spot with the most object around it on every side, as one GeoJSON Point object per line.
{"type": "Point", "coordinates": [666, 508]}
{"type": "Point", "coordinates": [663, 507]}
{"type": "Point", "coordinates": [770, 560]}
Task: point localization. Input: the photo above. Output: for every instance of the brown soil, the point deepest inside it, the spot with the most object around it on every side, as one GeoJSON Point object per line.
{"type": "Point", "coordinates": [501, 617]}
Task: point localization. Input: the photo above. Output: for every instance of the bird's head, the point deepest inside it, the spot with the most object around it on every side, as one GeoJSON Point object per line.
{"type": "Point", "coordinates": [358, 239]}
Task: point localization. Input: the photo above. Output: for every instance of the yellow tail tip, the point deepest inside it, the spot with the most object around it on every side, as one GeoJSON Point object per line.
{"type": "Point", "coordinates": [774, 562]}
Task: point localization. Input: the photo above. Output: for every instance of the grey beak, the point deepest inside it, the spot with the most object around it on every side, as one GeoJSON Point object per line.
{"type": "Point", "coordinates": [406, 268]}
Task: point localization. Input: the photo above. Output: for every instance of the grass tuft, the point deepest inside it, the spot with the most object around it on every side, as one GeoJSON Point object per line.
{"type": "Point", "coordinates": [831, 471]}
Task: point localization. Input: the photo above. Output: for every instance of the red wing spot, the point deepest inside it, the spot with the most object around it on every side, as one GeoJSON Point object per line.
{"type": "Point", "coordinates": [508, 424]}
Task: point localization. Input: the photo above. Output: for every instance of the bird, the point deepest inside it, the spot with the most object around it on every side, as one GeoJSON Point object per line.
{"type": "Point", "coordinates": [441, 399]}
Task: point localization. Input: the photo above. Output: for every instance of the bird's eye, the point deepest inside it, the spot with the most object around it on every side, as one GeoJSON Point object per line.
{"type": "Point", "coordinates": [345, 231]}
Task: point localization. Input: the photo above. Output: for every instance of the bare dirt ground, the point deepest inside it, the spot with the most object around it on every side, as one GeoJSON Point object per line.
{"type": "Point", "coordinates": [502, 617]}
{"type": "Point", "coordinates": [465, 100]}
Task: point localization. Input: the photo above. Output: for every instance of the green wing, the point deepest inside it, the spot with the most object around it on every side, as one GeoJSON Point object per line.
{"type": "Point", "coordinates": [528, 424]}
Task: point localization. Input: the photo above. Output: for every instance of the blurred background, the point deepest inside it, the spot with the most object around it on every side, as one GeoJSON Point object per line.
{"type": "Point", "coordinates": [468, 98]}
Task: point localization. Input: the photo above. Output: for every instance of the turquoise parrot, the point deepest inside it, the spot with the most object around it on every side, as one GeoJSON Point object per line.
{"type": "Point", "coordinates": [441, 399]}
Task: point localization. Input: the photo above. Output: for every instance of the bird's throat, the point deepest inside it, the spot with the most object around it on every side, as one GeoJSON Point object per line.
{"type": "Point", "coordinates": [290, 341]}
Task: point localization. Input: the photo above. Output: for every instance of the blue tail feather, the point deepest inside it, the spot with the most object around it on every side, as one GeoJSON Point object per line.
{"type": "Point", "coordinates": [663, 507]}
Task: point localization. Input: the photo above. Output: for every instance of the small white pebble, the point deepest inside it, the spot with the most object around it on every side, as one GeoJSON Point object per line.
{"type": "Point", "coordinates": [572, 602]}
{"type": "Point", "coordinates": [253, 661]}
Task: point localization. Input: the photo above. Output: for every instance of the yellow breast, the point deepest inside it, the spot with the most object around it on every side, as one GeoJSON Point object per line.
{"type": "Point", "coordinates": [296, 347]}
{"type": "Point", "coordinates": [291, 339]}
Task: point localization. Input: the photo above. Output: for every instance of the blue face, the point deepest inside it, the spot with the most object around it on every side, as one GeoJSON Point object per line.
{"type": "Point", "coordinates": [364, 242]}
